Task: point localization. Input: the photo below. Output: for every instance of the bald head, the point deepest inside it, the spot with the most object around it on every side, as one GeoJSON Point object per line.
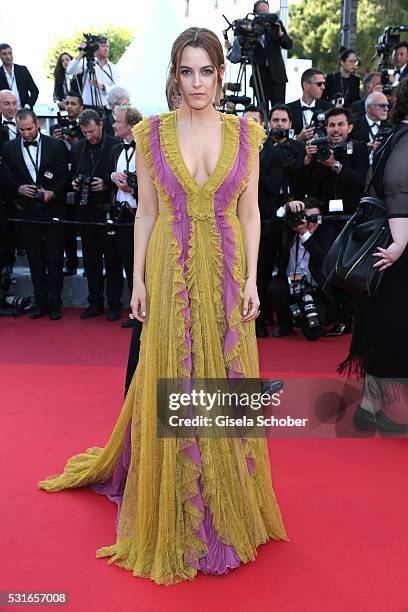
{"type": "Point", "coordinates": [376, 105]}
{"type": "Point", "coordinates": [8, 104]}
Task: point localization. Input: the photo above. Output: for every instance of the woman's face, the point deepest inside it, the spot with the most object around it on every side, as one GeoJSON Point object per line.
{"type": "Point", "coordinates": [350, 64]}
{"type": "Point", "coordinates": [65, 59]}
{"type": "Point", "coordinates": [197, 78]}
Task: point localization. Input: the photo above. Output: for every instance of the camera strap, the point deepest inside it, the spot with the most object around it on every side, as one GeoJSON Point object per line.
{"type": "Point", "coordinates": [128, 157]}
{"type": "Point", "coordinates": [109, 75]}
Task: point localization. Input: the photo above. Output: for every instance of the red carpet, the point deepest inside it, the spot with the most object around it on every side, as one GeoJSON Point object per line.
{"type": "Point", "coordinates": [344, 501]}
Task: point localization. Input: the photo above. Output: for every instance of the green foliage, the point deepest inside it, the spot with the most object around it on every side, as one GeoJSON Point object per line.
{"type": "Point", "coordinates": [315, 28]}
{"type": "Point", "coordinates": [119, 40]}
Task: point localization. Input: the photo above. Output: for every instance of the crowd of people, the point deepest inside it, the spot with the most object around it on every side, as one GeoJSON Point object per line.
{"type": "Point", "coordinates": [313, 169]}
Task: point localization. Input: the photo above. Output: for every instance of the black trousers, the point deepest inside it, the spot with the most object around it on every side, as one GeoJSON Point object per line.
{"type": "Point", "coordinates": [124, 240]}
{"type": "Point", "coordinates": [280, 300]}
{"type": "Point", "coordinates": [97, 245]}
{"type": "Point", "coordinates": [70, 243]}
{"type": "Point", "coordinates": [45, 249]}
{"type": "Point", "coordinates": [270, 241]}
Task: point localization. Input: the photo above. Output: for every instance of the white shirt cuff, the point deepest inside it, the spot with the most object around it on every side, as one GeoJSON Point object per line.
{"type": "Point", "coordinates": [305, 236]}
{"type": "Point", "coordinates": [281, 212]}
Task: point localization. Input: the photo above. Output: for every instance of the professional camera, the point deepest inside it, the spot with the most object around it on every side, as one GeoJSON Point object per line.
{"type": "Point", "coordinates": [386, 44]}
{"type": "Point", "coordinates": [131, 180]}
{"type": "Point", "coordinates": [303, 306]}
{"type": "Point", "coordinates": [92, 45]}
{"type": "Point", "coordinates": [68, 127]}
{"type": "Point", "coordinates": [385, 80]}
{"type": "Point", "coordinates": [318, 122]}
{"type": "Point", "coordinates": [295, 219]}
{"type": "Point", "coordinates": [324, 147]}
{"type": "Point", "coordinates": [39, 195]}
{"type": "Point", "coordinates": [84, 187]}
{"type": "Point", "coordinates": [289, 154]}
{"type": "Point", "coordinates": [248, 30]}
{"type": "Point", "coordinates": [11, 305]}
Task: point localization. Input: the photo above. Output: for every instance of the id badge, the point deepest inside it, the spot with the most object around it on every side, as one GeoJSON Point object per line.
{"type": "Point", "coordinates": [336, 206]}
{"type": "Point", "coordinates": [48, 174]}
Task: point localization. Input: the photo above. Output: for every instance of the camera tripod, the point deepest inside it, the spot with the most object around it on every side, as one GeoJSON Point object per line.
{"type": "Point", "coordinates": [261, 101]}
{"type": "Point", "coordinates": [96, 98]}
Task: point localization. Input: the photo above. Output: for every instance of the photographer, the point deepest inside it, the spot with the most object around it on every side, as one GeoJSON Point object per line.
{"type": "Point", "coordinates": [281, 161]}
{"type": "Point", "coordinates": [400, 57]}
{"type": "Point", "coordinates": [370, 128]}
{"type": "Point", "coordinates": [334, 168]}
{"type": "Point", "coordinates": [305, 110]}
{"type": "Point", "coordinates": [67, 129]}
{"type": "Point", "coordinates": [117, 96]}
{"type": "Point", "coordinates": [371, 82]}
{"type": "Point", "coordinates": [37, 167]}
{"type": "Point", "coordinates": [296, 292]}
{"type": "Point", "coordinates": [99, 74]}
{"type": "Point", "coordinates": [89, 164]}
{"type": "Point", "coordinates": [343, 87]}
{"type": "Point", "coordinates": [121, 176]}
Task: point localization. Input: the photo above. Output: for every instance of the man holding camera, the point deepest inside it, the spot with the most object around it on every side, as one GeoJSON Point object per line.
{"type": "Point", "coordinates": [369, 128]}
{"type": "Point", "coordinates": [400, 57]}
{"type": "Point", "coordinates": [89, 165]}
{"type": "Point", "coordinates": [99, 74]}
{"type": "Point", "coordinates": [335, 168]}
{"type": "Point", "coordinates": [281, 162]}
{"type": "Point", "coordinates": [296, 293]}
{"type": "Point", "coordinates": [306, 110]}
{"type": "Point", "coordinates": [122, 178]}
{"type": "Point", "coordinates": [38, 169]}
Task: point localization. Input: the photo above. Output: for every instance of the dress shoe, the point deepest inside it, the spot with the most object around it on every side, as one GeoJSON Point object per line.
{"type": "Point", "coordinates": [37, 313]}
{"type": "Point", "coordinates": [364, 420]}
{"type": "Point", "coordinates": [91, 311]}
{"type": "Point", "coordinates": [128, 323]}
{"type": "Point", "coordinates": [338, 329]}
{"type": "Point", "coordinates": [70, 272]}
{"type": "Point", "coordinates": [55, 315]}
{"type": "Point", "coordinates": [114, 314]}
{"type": "Point", "coordinates": [260, 329]}
{"type": "Point", "coordinates": [281, 331]}
{"type": "Point", "coordinates": [367, 421]}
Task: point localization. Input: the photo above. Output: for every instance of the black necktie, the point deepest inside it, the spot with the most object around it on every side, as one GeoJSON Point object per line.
{"type": "Point", "coordinates": [9, 123]}
{"type": "Point", "coordinates": [30, 144]}
{"type": "Point", "coordinates": [129, 145]}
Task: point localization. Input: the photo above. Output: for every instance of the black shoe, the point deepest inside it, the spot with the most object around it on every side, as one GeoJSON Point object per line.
{"type": "Point", "coordinates": [281, 331]}
{"type": "Point", "coordinates": [55, 315]}
{"type": "Point", "coordinates": [272, 385]}
{"type": "Point", "coordinates": [114, 314]}
{"type": "Point", "coordinates": [260, 329]}
{"type": "Point", "coordinates": [386, 425]}
{"type": "Point", "coordinates": [91, 311]}
{"type": "Point", "coordinates": [37, 313]}
{"type": "Point", "coordinates": [128, 323]}
{"type": "Point", "coordinates": [70, 271]}
{"type": "Point", "coordinates": [364, 420]}
{"type": "Point", "coordinates": [338, 329]}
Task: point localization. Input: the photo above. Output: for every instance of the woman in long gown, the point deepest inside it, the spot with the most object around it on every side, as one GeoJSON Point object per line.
{"type": "Point", "coordinates": [189, 504]}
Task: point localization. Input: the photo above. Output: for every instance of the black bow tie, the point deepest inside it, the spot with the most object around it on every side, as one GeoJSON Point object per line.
{"type": "Point", "coordinates": [308, 108]}
{"type": "Point", "coordinates": [30, 144]}
{"type": "Point", "coordinates": [129, 145]}
{"type": "Point", "coordinates": [9, 123]}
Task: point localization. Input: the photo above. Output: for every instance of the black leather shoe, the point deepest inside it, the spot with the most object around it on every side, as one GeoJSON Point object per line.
{"type": "Point", "coordinates": [70, 271]}
{"type": "Point", "coordinates": [364, 420]}
{"type": "Point", "coordinates": [91, 311]}
{"type": "Point", "coordinates": [55, 315]}
{"type": "Point", "coordinates": [38, 313]}
{"type": "Point", "coordinates": [114, 314]}
{"type": "Point", "coordinates": [128, 323]}
{"type": "Point", "coordinates": [338, 329]}
{"type": "Point", "coordinates": [281, 331]}
{"type": "Point", "coordinates": [260, 329]}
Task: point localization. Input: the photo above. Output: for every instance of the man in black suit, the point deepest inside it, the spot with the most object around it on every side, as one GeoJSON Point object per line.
{"type": "Point", "coordinates": [38, 169]}
{"type": "Point", "coordinates": [371, 83]}
{"type": "Point", "coordinates": [367, 128]}
{"type": "Point", "coordinates": [305, 110]}
{"type": "Point", "coordinates": [8, 131]}
{"type": "Point", "coordinates": [301, 256]}
{"type": "Point", "coordinates": [268, 56]}
{"type": "Point", "coordinates": [89, 165]}
{"type": "Point", "coordinates": [17, 78]}
{"type": "Point", "coordinates": [400, 57]}
{"type": "Point", "coordinates": [281, 161]}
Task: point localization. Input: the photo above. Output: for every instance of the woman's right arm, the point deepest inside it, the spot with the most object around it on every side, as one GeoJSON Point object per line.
{"type": "Point", "coordinates": [146, 214]}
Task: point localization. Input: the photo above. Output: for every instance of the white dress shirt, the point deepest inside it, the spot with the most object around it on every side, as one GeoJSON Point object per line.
{"type": "Point", "coordinates": [106, 75]}
{"type": "Point", "coordinates": [36, 156]}
{"type": "Point", "coordinates": [397, 75]}
{"type": "Point", "coordinates": [11, 80]}
{"type": "Point", "coordinates": [374, 128]}
{"type": "Point", "coordinates": [307, 114]}
{"type": "Point", "coordinates": [12, 129]}
{"type": "Point", "coordinates": [121, 166]}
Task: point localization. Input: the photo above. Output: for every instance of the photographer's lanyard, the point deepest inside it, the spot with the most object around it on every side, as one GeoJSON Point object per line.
{"type": "Point", "coordinates": [37, 159]}
{"type": "Point", "coordinates": [128, 157]}
{"type": "Point", "coordinates": [95, 156]}
{"type": "Point", "coordinates": [110, 76]}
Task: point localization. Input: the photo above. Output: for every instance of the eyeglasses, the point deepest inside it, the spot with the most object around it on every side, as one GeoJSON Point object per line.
{"type": "Point", "coordinates": [385, 106]}
{"type": "Point", "coordinates": [318, 83]}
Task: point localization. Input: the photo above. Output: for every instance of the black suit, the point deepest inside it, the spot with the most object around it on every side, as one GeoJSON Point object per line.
{"type": "Point", "coordinates": [271, 65]}
{"type": "Point", "coordinates": [96, 243]}
{"type": "Point", "coordinates": [358, 109]}
{"type": "Point", "coordinates": [44, 243]}
{"type": "Point", "coordinates": [349, 89]}
{"type": "Point", "coordinates": [27, 89]}
{"type": "Point", "coordinates": [297, 116]}
{"type": "Point", "coordinates": [362, 131]}
{"type": "Point", "coordinates": [278, 288]}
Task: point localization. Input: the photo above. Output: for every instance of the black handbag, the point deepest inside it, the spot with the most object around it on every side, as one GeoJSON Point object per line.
{"type": "Point", "coordinates": [349, 261]}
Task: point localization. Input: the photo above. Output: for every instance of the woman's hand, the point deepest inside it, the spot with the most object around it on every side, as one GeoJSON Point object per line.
{"type": "Point", "coordinates": [387, 257]}
{"type": "Point", "coordinates": [138, 301]}
{"type": "Point", "coordinates": [250, 308]}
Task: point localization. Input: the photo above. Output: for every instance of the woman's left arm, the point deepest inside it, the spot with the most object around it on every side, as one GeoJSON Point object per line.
{"type": "Point", "coordinates": [399, 233]}
{"type": "Point", "coordinates": [248, 214]}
